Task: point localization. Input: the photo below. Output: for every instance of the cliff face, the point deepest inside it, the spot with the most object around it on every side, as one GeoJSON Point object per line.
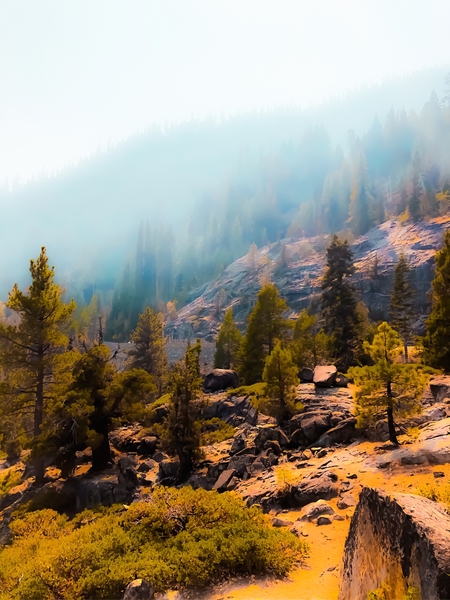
{"type": "Point", "coordinates": [399, 542]}
{"type": "Point", "coordinates": [299, 277]}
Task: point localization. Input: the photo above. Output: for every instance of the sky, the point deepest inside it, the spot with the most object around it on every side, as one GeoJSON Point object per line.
{"type": "Point", "coordinates": [76, 75]}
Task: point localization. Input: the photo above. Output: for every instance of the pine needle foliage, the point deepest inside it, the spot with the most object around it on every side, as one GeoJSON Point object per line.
{"type": "Point", "coordinates": [311, 346]}
{"type": "Point", "coordinates": [149, 352]}
{"type": "Point", "coordinates": [280, 375]}
{"type": "Point", "coordinates": [387, 386]}
{"type": "Point", "coordinates": [266, 325]}
{"type": "Point", "coordinates": [228, 342]}
{"type": "Point", "coordinates": [401, 309]}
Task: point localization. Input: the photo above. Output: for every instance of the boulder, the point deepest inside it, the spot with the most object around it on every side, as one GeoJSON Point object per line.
{"type": "Point", "coordinates": [240, 464]}
{"type": "Point", "coordinates": [340, 381]}
{"type": "Point", "coordinates": [316, 509]}
{"type": "Point", "coordinates": [323, 521]}
{"type": "Point", "coordinates": [221, 379]}
{"type": "Point", "coordinates": [398, 540]}
{"type": "Point", "coordinates": [341, 434]}
{"type": "Point", "coordinates": [224, 479]}
{"type": "Point", "coordinates": [325, 376]}
{"type": "Point", "coordinates": [314, 425]}
{"type": "Point", "coordinates": [440, 387]}
{"type": "Point", "coordinates": [168, 468]}
{"type": "Point", "coordinates": [276, 522]}
{"type": "Point", "coordinates": [274, 446]}
{"type": "Point", "coordinates": [346, 501]}
{"type": "Point", "coordinates": [306, 375]}
{"type": "Point", "coordinates": [270, 433]}
{"type": "Point", "coordinates": [298, 439]}
{"type": "Point", "coordinates": [139, 589]}
{"type": "Point", "coordinates": [318, 486]}
{"type": "Point", "coordinates": [238, 444]}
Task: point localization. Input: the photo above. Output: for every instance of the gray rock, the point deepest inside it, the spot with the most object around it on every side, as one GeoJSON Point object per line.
{"type": "Point", "coordinates": [224, 479]}
{"type": "Point", "coordinates": [298, 439]}
{"type": "Point", "coordinates": [306, 375]}
{"type": "Point", "coordinates": [240, 464]}
{"type": "Point", "coordinates": [318, 486]}
{"type": "Point", "coordinates": [168, 468]}
{"type": "Point", "coordinates": [396, 535]}
{"type": "Point", "coordinates": [139, 589]}
{"type": "Point", "coordinates": [221, 379]}
{"type": "Point", "coordinates": [316, 509]}
{"type": "Point", "coordinates": [276, 522]}
{"type": "Point", "coordinates": [270, 433]}
{"type": "Point", "coordinates": [314, 425]}
{"type": "Point", "coordinates": [346, 501]}
{"type": "Point", "coordinates": [341, 434]}
{"type": "Point", "coordinates": [238, 444]}
{"type": "Point", "coordinates": [323, 521]}
{"type": "Point", "coordinates": [340, 381]}
{"type": "Point", "coordinates": [325, 376]}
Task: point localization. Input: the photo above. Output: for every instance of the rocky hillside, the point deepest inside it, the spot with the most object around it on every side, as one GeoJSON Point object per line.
{"type": "Point", "coordinates": [298, 279]}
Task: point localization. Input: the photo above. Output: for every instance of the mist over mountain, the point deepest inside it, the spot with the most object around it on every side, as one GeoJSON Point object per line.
{"type": "Point", "coordinates": [188, 176]}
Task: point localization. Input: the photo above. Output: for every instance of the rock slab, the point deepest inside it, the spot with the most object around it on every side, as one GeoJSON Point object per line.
{"type": "Point", "coordinates": [399, 540]}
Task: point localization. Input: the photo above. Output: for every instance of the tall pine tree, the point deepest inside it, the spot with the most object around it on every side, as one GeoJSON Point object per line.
{"type": "Point", "coordinates": [33, 352]}
{"type": "Point", "coordinates": [401, 309]}
{"type": "Point", "coordinates": [228, 343]}
{"type": "Point", "coordinates": [339, 303]}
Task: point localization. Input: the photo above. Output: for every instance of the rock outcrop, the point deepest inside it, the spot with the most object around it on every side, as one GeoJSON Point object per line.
{"type": "Point", "coordinates": [398, 541]}
{"type": "Point", "coordinates": [221, 379]}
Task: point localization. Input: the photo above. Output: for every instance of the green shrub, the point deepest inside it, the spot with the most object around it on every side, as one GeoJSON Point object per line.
{"type": "Point", "coordinates": [180, 538]}
{"type": "Point", "coordinates": [214, 431]}
{"type": "Point", "coordinates": [437, 493]}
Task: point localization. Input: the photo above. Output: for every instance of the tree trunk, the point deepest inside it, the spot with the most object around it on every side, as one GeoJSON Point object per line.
{"type": "Point", "coordinates": [390, 416]}
{"type": "Point", "coordinates": [39, 468]}
{"type": "Point", "coordinates": [101, 454]}
{"type": "Point", "coordinates": [405, 345]}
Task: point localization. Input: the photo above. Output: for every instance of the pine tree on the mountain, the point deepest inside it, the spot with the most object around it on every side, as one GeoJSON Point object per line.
{"type": "Point", "coordinates": [414, 199]}
{"type": "Point", "coordinates": [33, 352]}
{"type": "Point", "coordinates": [339, 302]}
{"type": "Point", "coordinates": [183, 431]}
{"type": "Point", "coordinates": [401, 309]}
{"type": "Point", "coordinates": [266, 325]}
{"type": "Point", "coordinates": [311, 346]}
{"type": "Point", "coordinates": [280, 376]}
{"type": "Point", "coordinates": [387, 385]}
{"type": "Point", "coordinates": [436, 343]}
{"type": "Point", "coordinates": [361, 200]}
{"type": "Point", "coordinates": [149, 352]}
{"type": "Point", "coordinates": [228, 343]}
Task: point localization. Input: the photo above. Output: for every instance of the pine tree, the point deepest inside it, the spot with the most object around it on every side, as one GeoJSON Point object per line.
{"type": "Point", "coordinates": [280, 376]}
{"type": "Point", "coordinates": [183, 431]}
{"type": "Point", "coordinates": [401, 309]}
{"type": "Point", "coordinates": [32, 352]}
{"type": "Point", "coordinates": [414, 200]}
{"type": "Point", "coordinates": [311, 346]}
{"type": "Point", "coordinates": [339, 303]}
{"type": "Point", "coordinates": [266, 325]}
{"type": "Point", "coordinates": [387, 385]}
{"type": "Point", "coordinates": [361, 200]}
{"type": "Point", "coordinates": [100, 397]}
{"type": "Point", "coordinates": [149, 351]}
{"type": "Point", "coordinates": [436, 343]}
{"type": "Point", "coordinates": [228, 343]}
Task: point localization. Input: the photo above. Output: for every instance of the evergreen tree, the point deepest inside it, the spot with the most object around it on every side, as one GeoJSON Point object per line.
{"type": "Point", "coordinates": [436, 343]}
{"type": "Point", "coordinates": [387, 385]}
{"type": "Point", "coordinates": [100, 397]}
{"type": "Point", "coordinates": [228, 343]}
{"type": "Point", "coordinates": [266, 325]}
{"type": "Point", "coordinates": [339, 303]}
{"type": "Point", "coordinates": [149, 351]}
{"type": "Point", "coordinates": [33, 352]}
{"type": "Point", "coordinates": [311, 346]}
{"type": "Point", "coordinates": [361, 200]}
{"type": "Point", "coordinates": [280, 376]}
{"type": "Point", "coordinates": [183, 430]}
{"type": "Point", "coordinates": [401, 310]}
{"type": "Point", "coordinates": [414, 200]}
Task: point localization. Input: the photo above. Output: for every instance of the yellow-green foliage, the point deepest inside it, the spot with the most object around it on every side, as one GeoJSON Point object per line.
{"type": "Point", "coordinates": [437, 493]}
{"type": "Point", "coordinates": [257, 390]}
{"type": "Point", "coordinates": [9, 480]}
{"type": "Point", "coordinates": [180, 538]}
{"type": "Point", "coordinates": [213, 431]}
{"type": "Point", "coordinates": [385, 593]}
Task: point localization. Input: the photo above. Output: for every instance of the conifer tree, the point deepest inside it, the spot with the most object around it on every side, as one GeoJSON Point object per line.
{"type": "Point", "coordinates": [436, 343]}
{"type": "Point", "coordinates": [99, 396]}
{"type": "Point", "coordinates": [149, 351]}
{"type": "Point", "coordinates": [280, 376]}
{"type": "Point", "coordinates": [387, 385]}
{"type": "Point", "coordinates": [401, 310]}
{"type": "Point", "coordinates": [33, 352]}
{"type": "Point", "coordinates": [339, 302]}
{"type": "Point", "coordinates": [228, 343]}
{"type": "Point", "coordinates": [311, 346]}
{"type": "Point", "coordinates": [361, 200]}
{"type": "Point", "coordinates": [266, 325]}
{"type": "Point", "coordinates": [183, 431]}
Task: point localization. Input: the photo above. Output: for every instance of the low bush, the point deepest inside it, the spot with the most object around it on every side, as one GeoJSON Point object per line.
{"type": "Point", "coordinates": [9, 480]}
{"type": "Point", "coordinates": [180, 538]}
{"type": "Point", "coordinates": [214, 431]}
{"type": "Point", "coordinates": [437, 493]}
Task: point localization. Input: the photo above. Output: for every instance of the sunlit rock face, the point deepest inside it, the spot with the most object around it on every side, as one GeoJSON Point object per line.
{"type": "Point", "coordinates": [397, 542]}
{"type": "Point", "coordinates": [299, 281]}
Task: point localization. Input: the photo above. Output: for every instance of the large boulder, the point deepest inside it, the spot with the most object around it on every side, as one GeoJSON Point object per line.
{"type": "Point", "coordinates": [222, 483]}
{"type": "Point", "coordinates": [318, 486]}
{"type": "Point", "coordinates": [342, 433]}
{"type": "Point", "coordinates": [221, 379]}
{"type": "Point", "coordinates": [270, 433]}
{"type": "Point", "coordinates": [314, 424]}
{"type": "Point", "coordinates": [440, 387]}
{"type": "Point", "coordinates": [139, 589]}
{"type": "Point", "coordinates": [325, 376]}
{"type": "Point", "coordinates": [306, 375]}
{"type": "Point", "coordinates": [396, 540]}
{"type": "Point", "coordinates": [316, 509]}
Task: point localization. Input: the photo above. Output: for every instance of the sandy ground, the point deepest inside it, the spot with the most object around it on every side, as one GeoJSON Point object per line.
{"type": "Point", "coordinates": [318, 578]}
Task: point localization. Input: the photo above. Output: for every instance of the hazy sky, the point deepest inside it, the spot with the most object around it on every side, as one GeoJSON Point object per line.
{"type": "Point", "coordinates": [75, 74]}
